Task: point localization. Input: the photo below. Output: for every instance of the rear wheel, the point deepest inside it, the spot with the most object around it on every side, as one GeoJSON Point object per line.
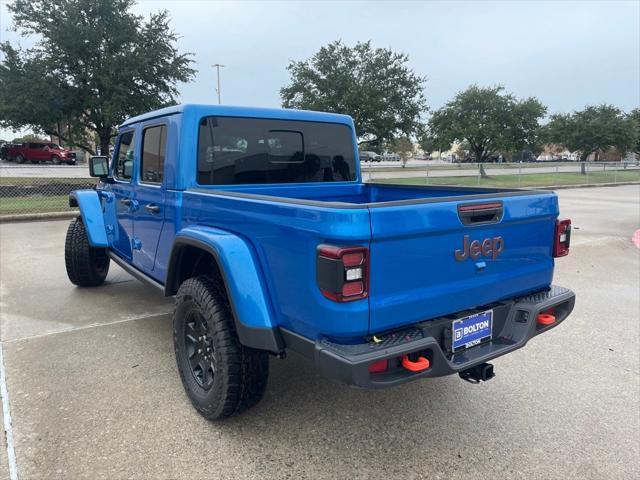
{"type": "Point", "coordinates": [221, 377]}
{"type": "Point", "coordinates": [87, 266]}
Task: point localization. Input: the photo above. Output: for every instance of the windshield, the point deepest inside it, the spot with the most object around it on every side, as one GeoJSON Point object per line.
{"type": "Point", "coordinates": [255, 151]}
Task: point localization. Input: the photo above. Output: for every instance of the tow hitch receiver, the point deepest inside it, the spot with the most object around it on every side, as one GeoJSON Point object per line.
{"type": "Point", "coordinates": [482, 372]}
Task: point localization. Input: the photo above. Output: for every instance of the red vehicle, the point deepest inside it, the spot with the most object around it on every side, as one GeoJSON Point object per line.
{"type": "Point", "coordinates": [36, 152]}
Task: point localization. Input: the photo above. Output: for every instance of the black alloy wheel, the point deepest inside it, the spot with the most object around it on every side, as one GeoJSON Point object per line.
{"type": "Point", "coordinates": [199, 348]}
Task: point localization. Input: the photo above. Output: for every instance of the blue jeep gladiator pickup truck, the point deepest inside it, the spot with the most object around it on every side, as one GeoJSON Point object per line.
{"type": "Point", "coordinates": [259, 224]}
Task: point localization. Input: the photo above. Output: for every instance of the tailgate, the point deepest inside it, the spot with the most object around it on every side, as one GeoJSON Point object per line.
{"type": "Point", "coordinates": [416, 274]}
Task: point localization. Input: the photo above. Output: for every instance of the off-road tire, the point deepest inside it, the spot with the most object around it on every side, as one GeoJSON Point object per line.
{"type": "Point", "coordinates": [87, 266]}
{"type": "Point", "coordinates": [241, 373]}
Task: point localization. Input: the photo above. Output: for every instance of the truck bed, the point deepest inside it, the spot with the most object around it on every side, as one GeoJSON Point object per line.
{"type": "Point", "coordinates": [361, 195]}
{"type": "Point", "coordinates": [412, 234]}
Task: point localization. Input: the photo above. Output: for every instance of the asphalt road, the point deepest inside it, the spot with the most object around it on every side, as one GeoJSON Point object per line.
{"type": "Point", "coordinates": [415, 168]}
{"type": "Point", "coordinates": [94, 391]}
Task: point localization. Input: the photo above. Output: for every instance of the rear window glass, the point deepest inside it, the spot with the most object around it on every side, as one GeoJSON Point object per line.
{"type": "Point", "coordinates": [253, 151]}
{"type": "Point", "coordinates": [153, 150]}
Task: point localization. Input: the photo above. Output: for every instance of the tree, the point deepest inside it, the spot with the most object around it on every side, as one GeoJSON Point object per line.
{"type": "Point", "coordinates": [488, 120]}
{"type": "Point", "coordinates": [593, 130]}
{"type": "Point", "coordinates": [95, 64]}
{"type": "Point", "coordinates": [403, 146]}
{"type": "Point", "coordinates": [634, 115]}
{"type": "Point", "coordinates": [373, 85]}
{"type": "Point", "coordinates": [30, 137]}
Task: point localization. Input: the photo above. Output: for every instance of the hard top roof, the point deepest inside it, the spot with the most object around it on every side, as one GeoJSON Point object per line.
{"type": "Point", "coordinates": [235, 111]}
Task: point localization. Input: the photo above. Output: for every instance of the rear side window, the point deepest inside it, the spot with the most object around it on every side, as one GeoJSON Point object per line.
{"type": "Point", "coordinates": [253, 151]}
{"type": "Point", "coordinates": [153, 153]}
{"type": "Point", "coordinates": [124, 158]}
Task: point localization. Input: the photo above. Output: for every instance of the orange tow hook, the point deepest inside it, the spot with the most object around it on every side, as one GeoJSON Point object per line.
{"type": "Point", "coordinates": [421, 364]}
{"type": "Point", "coordinates": [546, 319]}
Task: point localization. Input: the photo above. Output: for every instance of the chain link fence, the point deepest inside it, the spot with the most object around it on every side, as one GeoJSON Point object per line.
{"type": "Point", "coordinates": [40, 189]}
{"type": "Point", "coordinates": [44, 189]}
{"type": "Point", "coordinates": [507, 175]}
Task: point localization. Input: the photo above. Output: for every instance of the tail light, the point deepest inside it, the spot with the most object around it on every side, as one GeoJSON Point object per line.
{"type": "Point", "coordinates": [562, 239]}
{"type": "Point", "coordinates": [343, 272]}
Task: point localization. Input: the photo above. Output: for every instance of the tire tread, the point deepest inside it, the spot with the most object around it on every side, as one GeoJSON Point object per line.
{"type": "Point", "coordinates": [244, 371]}
{"type": "Point", "coordinates": [80, 257]}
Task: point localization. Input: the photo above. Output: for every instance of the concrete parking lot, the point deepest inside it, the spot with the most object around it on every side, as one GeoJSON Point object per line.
{"type": "Point", "coordinates": [94, 391]}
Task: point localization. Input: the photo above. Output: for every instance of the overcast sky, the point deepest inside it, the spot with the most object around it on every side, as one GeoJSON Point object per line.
{"type": "Point", "coordinates": [568, 54]}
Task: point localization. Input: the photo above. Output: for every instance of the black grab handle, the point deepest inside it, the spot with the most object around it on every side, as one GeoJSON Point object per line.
{"type": "Point", "coordinates": [480, 213]}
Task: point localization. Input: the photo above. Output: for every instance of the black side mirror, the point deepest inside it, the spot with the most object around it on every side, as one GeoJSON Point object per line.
{"type": "Point", "coordinates": [99, 166]}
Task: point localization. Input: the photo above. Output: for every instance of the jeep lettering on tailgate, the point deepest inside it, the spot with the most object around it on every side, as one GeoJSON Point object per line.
{"type": "Point", "coordinates": [489, 247]}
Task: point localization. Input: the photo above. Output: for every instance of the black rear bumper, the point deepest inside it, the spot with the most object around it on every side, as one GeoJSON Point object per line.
{"type": "Point", "coordinates": [514, 324]}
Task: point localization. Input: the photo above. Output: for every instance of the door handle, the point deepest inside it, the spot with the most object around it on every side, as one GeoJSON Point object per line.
{"type": "Point", "coordinates": [126, 202]}
{"type": "Point", "coordinates": [152, 208]}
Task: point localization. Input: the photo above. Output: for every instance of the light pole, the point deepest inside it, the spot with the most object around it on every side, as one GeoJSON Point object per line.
{"type": "Point", "coordinates": [217, 65]}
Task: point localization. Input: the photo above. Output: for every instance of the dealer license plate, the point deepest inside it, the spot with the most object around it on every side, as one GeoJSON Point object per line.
{"type": "Point", "coordinates": [471, 330]}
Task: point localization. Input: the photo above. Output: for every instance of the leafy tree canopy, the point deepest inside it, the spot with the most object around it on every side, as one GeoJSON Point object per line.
{"type": "Point", "coordinates": [30, 137]}
{"type": "Point", "coordinates": [634, 115]}
{"type": "Point", "coordinates": [488, 120]}
{"type": "Point", "coordinates": [373, 85]}
{"type": "Point", "coordinates": [95, 64]}
{"type": "Point", "coordinates": [403, 146]}
{"type": "Point", "coordinates": [593, 130]}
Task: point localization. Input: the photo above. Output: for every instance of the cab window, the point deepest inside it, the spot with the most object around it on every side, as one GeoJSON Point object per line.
{"type": "Point", "coordinates": [153, 153]}
{"type": "Point", "coordinates": [124, 158]}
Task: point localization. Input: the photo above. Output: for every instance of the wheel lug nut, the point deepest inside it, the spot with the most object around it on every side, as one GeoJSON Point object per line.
{"type": "Point", "coordinates": [199, 350]}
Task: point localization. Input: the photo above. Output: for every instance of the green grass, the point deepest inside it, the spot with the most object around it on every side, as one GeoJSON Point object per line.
{"type": "Point", "coordinates": [35, 204]}
{"type": "Point", "coordinates": [525, 180]}
{"type": "Point", "coordinates": [42, 195]}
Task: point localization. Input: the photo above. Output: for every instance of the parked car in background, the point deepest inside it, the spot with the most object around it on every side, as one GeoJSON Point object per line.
{"type": "Point", "coordinates": [369, 157]}
{"type": "Point", "coordinates": [36, 152]}
{"type": "Point", "coordinates": [391, 157]}
{"type": "Point", "coordinates": [4, 149]}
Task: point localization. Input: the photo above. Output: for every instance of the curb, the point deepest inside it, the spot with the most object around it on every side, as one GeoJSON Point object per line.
{"type": "Point", "coordinates": [39, 216]}
{"type": "Point", "coordinates": [586, 185]}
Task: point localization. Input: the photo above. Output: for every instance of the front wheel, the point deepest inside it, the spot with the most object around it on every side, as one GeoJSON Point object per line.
{"type": "Point", "coordinates": [220, 376]}
{"type": "Point", "coordinates": [87, 266]}
{"type": "Point", "coordinates": [55, 160]}
{"type": "Point", "coordinates": [19, 159]}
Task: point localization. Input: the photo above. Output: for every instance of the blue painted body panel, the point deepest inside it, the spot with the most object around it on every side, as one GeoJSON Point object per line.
{"type": "Point", "coordinates": [414, 248]}
{"type": "Point", "coordinates": [284, 238]}
{"type": "Point", "coordinates": [244, 281]}
{"type": "Point", "coordinates": [91, 212]}
{"type": "Point", "coordinates": [266, 237]}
